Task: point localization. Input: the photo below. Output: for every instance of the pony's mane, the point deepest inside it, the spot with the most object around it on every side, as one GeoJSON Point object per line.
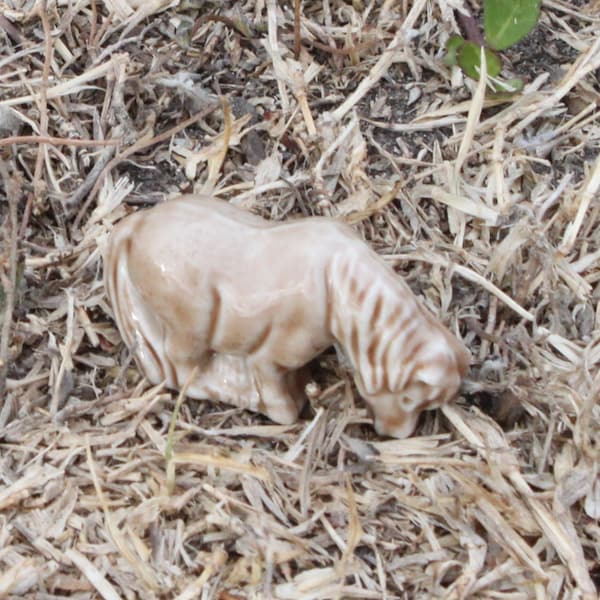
{"type": "Point", "coordinates": [377, 320]}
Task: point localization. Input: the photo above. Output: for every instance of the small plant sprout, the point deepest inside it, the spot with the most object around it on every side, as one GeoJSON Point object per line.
{"type": "Point", "coordinates": [505, 22]}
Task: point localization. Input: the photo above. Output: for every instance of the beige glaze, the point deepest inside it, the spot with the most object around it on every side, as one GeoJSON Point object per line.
{"type": "Point", "coordinates": [199, 282]}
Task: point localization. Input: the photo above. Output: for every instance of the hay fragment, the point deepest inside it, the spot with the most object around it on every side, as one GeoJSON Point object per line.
{"type": "Point", "coordinates": [19, 579]}
{"type": "Point", "coordinates": [95, 577]}
{"type": "Point", "coordinates": [486, 205]}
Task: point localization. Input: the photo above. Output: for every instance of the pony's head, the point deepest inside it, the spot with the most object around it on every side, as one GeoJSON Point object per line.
{"type": "Point", "coordinates": [404, 359]}
{"type": "Point", "coordinates": [427, 377]}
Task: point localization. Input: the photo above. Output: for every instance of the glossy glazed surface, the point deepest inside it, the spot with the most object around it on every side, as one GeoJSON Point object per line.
{"type": "Point", "coordinates": [199, 282]}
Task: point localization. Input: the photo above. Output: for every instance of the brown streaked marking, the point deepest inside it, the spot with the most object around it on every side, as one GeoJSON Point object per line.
{"type": "Point", "coordinates": [329, 325]}
{"type": "Point", "coordinates": [215, 313]}
{"type": "Point", "coordinates": [412, 340]}
{"type": "Point", "coordinates": [180, 310]}
{"type": "Point", "coordinates": [113, 265]}
{"type": "Point", "coordinates": [376, 312]}
{"type": "Point", "coordinates": [393, 317]}
{"type": "Point", "coordinates": [262, 407]}
{"type": "Point", "coordinates": [376, 337]}
{"type": "Point", "coordinates": [261, 339]}
{"type": "Point", "coordinates": [344, 270]}
{"type": "Point", "coordinates": [335, 326]}
{"type": "Point", "coordinates": [155, 356]}
{"type": "Point", "coordinates": [405, 357]}
{"type": "Point", "coordinates": [372, 349]}
{"type": "Point", "coordinates": [409, 329]}
{"type": "Point", "coordinates": [385, 384]}
{"type": "Point", "coordinates": [417, 360]}
{"type": "Point", "coordinates": [353, 287]}
{"type": "Point", "coordinates": [115, 274]}
{"type": "Point", "coordinates": [128, 329]}
{"type": "Point", "coordinates": [354, 345]}
{"type": "Point", "coordinates": [172, 371]}
{"type": "Point", "coordinates": [362, 294]}
{"type": "Point", "coordinates": [167, 358]}
{"type": "Point", "coordinates": [406, 328]}
{"type": "Point", "coordinates": [128, 334]}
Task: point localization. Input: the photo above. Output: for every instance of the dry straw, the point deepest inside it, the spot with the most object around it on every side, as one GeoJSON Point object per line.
{"type": "Point", "coordinates": [488, 206]}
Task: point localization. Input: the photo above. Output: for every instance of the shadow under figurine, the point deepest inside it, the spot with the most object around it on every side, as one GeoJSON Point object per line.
{"type": "Point", "coordinates": [197, 282]}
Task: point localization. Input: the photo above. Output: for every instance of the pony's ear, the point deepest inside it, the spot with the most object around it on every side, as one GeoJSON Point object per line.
{"type": "Point", "coordinates": [433, 373]}
{"type": "Point", "coordinates": [443, 372]}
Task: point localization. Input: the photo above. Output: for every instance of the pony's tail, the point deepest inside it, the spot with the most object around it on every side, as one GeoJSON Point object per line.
{"type": "Point", "coordinates": [115, 282]}
{"type": "Point", "coordinates": [138, 327]}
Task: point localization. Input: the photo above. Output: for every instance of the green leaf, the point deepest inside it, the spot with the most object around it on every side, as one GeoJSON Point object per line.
{"type": "Point", "coordinates": [452, 46]}
{"type": "Point", "coordinates": [508, 21]}
{"type": "Point", "coordinates": [469, 59]}
{"type": "Point", "coordinates": [511, 86]}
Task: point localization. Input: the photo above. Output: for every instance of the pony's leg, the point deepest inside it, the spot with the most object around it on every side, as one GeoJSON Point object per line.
{"type": "Point", "coordinates": [141, 331]}
{"type": "Point", "coordinates": [219, 377]}
{"type": "Point", "coordinates": [296, 384]}
{"type": "Point", "coordinates": [180, 354]}
{"type": "Point", "coordinates": [261, 387]}
{"type": "Point", "coordinates": [226, 378]}
{"type": "Point", "coordinates": [281, 392]}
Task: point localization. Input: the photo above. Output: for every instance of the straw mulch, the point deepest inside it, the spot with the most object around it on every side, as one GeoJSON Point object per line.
{"type": "Point", "coordinates": [487, 206]}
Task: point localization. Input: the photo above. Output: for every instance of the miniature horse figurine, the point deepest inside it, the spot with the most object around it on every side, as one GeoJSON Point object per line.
{"type": "Point", "coordinates": [197, 282]}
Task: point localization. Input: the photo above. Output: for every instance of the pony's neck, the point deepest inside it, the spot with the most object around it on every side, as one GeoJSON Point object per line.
{"type": "Point", "coordinates": [370, 307]}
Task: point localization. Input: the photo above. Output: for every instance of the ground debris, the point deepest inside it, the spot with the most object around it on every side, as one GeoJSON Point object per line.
{"type": "Point", "coordinates": [487, 205]}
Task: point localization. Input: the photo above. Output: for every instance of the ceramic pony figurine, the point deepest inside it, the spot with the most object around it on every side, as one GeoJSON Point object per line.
{"type": "Point", "coordinates": [197, 282]}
